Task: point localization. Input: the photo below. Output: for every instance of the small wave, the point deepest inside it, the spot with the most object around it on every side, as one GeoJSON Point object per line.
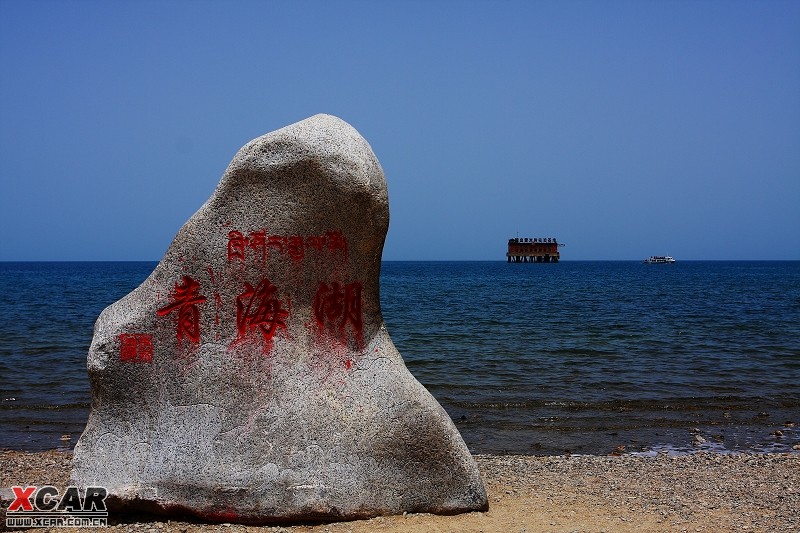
{"type": "Point", "coordinates": [18, 406]}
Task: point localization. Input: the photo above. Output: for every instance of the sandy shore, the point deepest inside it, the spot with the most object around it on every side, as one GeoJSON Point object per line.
{"type": "Point", "coordinates": [701, 492]}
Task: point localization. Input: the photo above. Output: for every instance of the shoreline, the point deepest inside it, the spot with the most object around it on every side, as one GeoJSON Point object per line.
{"type": "Point", "coordinates": [697, 492]}
{"type": "Point", "coordinates": [763, 438]}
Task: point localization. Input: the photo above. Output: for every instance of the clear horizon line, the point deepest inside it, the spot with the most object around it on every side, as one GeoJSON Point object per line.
{"type": "Point", "coordinates": [404, 260]}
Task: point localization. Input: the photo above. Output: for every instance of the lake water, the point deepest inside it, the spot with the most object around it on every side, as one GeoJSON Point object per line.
{"type": "Point", "coordinates": [578, 357]}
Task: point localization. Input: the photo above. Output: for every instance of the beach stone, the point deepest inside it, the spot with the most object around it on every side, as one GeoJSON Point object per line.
{"type": "Point", "coordinates": [250, 378]}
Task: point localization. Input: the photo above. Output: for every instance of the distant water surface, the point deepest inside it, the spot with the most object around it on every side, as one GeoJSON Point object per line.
{"type": "Point", "coordinates": [579, 357]}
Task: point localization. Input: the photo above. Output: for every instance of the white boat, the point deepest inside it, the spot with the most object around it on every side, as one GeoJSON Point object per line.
{"type": "Point", "coordinates": [659, 259]}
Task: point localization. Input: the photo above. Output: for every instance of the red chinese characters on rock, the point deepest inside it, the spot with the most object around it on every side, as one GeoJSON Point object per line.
{"type": "Point", "coordinates": [293, 246]}
{"type": "Point", "coordinates": [259, 308]}
{"type": "Point", "coordinates": [339, 307]}
{"type": "Point", "coordinates": [186, 297]}
{"type": "Point", "coordinates": [136, 348]}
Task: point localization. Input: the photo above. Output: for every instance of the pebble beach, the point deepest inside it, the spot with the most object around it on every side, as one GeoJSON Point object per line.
{"type": "Point", "coordinates": [695, 492]}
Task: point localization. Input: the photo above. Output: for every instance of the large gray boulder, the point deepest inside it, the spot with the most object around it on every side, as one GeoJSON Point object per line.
{"type": "Point", "coordinates": [250, 378]}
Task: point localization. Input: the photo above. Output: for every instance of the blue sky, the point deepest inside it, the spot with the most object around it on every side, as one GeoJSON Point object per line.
{"type": "Point", "coordinates": [624, 129]}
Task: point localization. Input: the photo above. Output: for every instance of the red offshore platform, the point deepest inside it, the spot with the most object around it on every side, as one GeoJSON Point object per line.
{"type": "Point", "coordinates": [533, 250]}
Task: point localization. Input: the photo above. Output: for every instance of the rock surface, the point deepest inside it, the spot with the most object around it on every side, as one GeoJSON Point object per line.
{"type": "Point", "coordinates": [250, 378]}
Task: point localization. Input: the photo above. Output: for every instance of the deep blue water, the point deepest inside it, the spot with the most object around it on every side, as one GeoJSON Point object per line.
{"type": "Point", "coordinates": [579, 357]}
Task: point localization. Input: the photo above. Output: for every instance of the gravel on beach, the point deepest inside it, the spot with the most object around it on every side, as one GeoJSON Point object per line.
{"type": "Point", "coordinates": [698, 492]}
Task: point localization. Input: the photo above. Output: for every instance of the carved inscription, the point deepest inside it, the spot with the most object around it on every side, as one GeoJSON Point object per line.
{"type": "Point", "coordinates": [259, 245]}
{"type": "Point", "coordinates": [136, 348]}
{"type": "Point", "coordinates": [337, 307]}
{"type": "Point", "coordinates": [185, 299]}
{"type": "Point", "coordinates": [259, 308]}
